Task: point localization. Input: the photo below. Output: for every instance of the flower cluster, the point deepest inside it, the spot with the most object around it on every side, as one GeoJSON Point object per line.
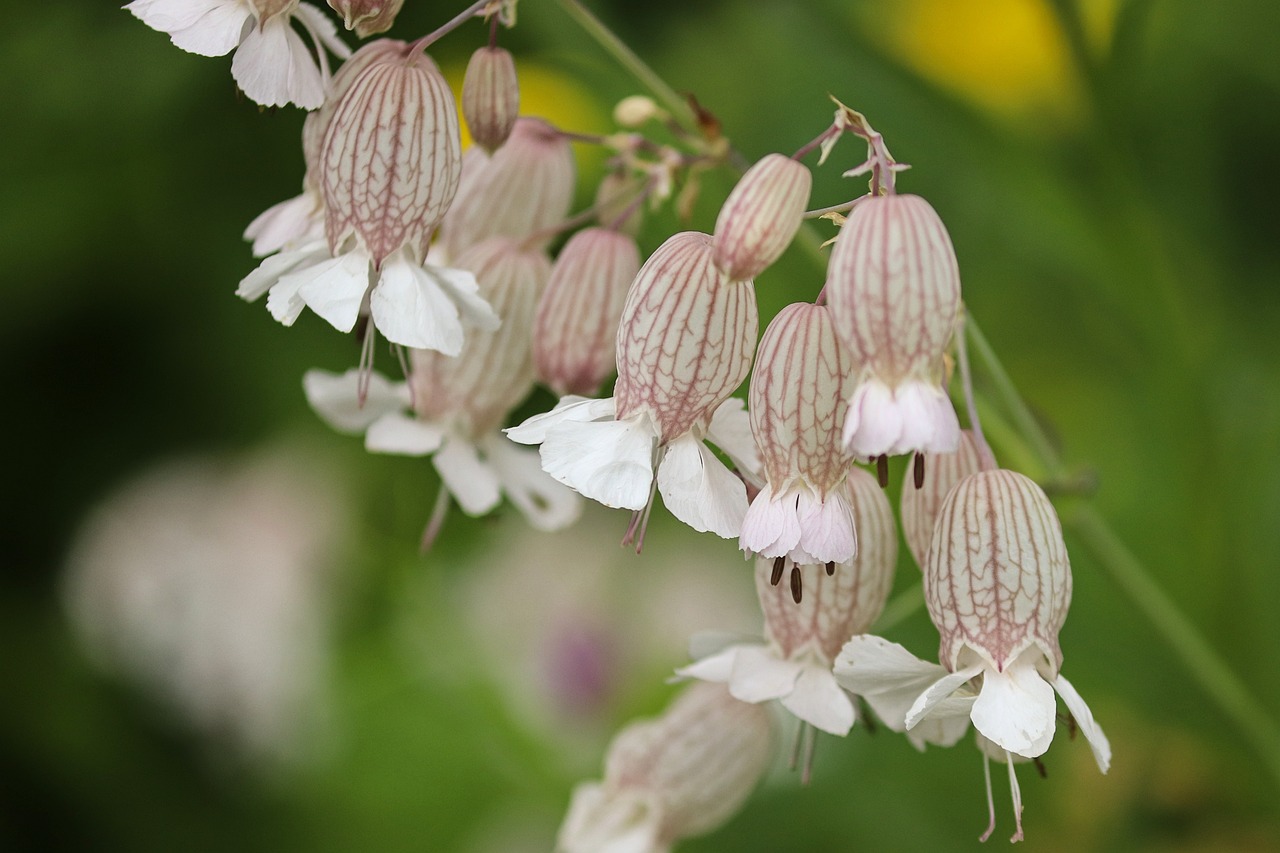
{"type": "Point", "coordinates": [448, 256]}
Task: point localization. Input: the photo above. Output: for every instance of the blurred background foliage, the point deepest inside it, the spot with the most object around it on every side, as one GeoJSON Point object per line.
{"type": "Point", "coordinates": [1109, 171]}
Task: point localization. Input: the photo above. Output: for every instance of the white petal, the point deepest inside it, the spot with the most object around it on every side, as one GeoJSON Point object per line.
{"type": "Point", "coordinates": [320, 26]}
{"type": "Point", "coordinates": [472, 482]}
{"type": "Point", "coordinates": [607, 461]}
{"type": "Point", "coordinates": [717, 667]}
{"type": "Point", "coordinates": [730, 430]}
{"type": "Point", "coordinates": [770, 526]}
{"type": "Point", "coordinates": [462, 288]}
{"type": "Point", "coordinates": [284, 223]}
{"type": "Point", "coordinates": [1016, 709]}
{"type": "Point", "coordinates": [1085, 722]}
{"type": "Point", "coordinates": [946, 724]}
{"type": "Point", "coordinates": [411, 309]}
{"type": "Point", "coordinates": [758, 674]}
{"type": "Point", "coordinates": [941, 689]}
{"type": "Point", "coordinates": [273, 67]}
{"type": "Point", "coordinates": [699, 490]}
{"type": "Point", "coordinates": [826, 529]}
{"type": "Point", "coordinates": [600, 821]}
{"type": "Point", "coordinates": [818, 700]}
{"type": "Point", "coordinates": [334, 289]}
{"type": "Point", "coordinates": [570, 408]}
{"type": "Point", "coordinates": [547, 504]}
{"type": "Point", "coordinates": [888, 676]}
{"type": "Point", "coordinates": [268, 273]}
{"type": "Point", "coordinates": [704, 644]}
{"type": "Point", "coordinates": [336, 398]}
{"type": "Point", "coordinates": [204, 27]}
{"type": "Point", "coordinates": [403, 435]}
{"type": "Point", "coordinates": [169, 15]}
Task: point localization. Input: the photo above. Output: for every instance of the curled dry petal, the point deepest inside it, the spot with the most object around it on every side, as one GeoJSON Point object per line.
{"type": "Point", "coordinates": [391, 156]}
{"type": "Point", "coordinates": [997, 578]}
{"type": "Point", "coordinates": [941, 473]}
{"type": "Point", "coordinates": [367, 17]}
{"type": "Point", "coordinates": [575, 330]}
{"type": "Point", "coordinates": [835, 607]}
{"type": "Point", "coordinates": [490, 97]}
{"type": "Point", "coordinates": [761, 216]}
{"type": "Point", "coordinates": [686, 337]}
{"type": "Point", "coordinates": [494, 370]}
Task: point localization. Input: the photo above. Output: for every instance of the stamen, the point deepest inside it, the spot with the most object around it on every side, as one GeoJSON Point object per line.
{"type": "Point", "coordinates": [882, 470]}
{"type": "Point", "coordinates": [640, 520]}
{"type": "Point", "coordinates": [795, 584]}
{"type": "Point", "coordinates": [368, 337]}
{"type": "Point", "coordinates": [1017, 799]}
{"type": "Point", "coordinates": [831, 568]}
{"type": "Point", "coordinates": [779, 563]}
{"type": "Point", "coordinates": [1040, 768]}
{"type": "Point", "coordinates": [438, 513]}
{"type": "Point", "coordinates": [991, 800]}
{"type": "Point", "coordinates": [810, 741]}
{"type": "Point", "coordinates": [795, 746]}
{"type": "Point", "coordinates": [919, 469]}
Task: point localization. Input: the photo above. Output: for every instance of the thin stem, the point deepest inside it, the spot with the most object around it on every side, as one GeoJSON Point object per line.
{"type": "Point", "coordinates": [455, 22]}
{"type": "Point", "coordinates": [966, 382]}
{"type": "Point", "coordinates": [835, 208]}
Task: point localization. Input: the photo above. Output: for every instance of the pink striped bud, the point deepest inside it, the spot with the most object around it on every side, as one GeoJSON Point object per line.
{"type": "Point", "coordinates": [997, 578]}
{"type": "Point", "coordinates": [391, 157]}
{"type": "Point", "coordinates": [618, 204]}
{"type": "Point", "coordinates": [761, 216]}
{"type": "Point", "coordinates": [894, 291]}
{"type": "Point", "coordinates": [494, 371]}
{"type": "Point", "coordinates": [942, 471]}
{"type": "Point", "coordinates": [526, 186]}
{"type": "Point", "coordinates": [672, 777]}
{"type": "Point", "coordinates": [686, 337]}
{"type": "Point", "coordinates": [576, 327]}
{"type": "Point", "coordinates": [367, 17]}
{"type": "Point", "coordinates": [490, 97]}
{"type": "Point", "coordinates": [801, 377]}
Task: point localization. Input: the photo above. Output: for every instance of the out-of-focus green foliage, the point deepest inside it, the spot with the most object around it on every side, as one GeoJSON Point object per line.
{"type": "Point", "coordinates": [1109, 180]}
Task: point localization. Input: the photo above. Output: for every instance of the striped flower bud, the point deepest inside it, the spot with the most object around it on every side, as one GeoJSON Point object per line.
{"type": "Point", "coordinates": [575, 329]}
{"type": "Point", "coordinates": [367, 17]}
{"type": "Point", "coordinates": [808, 619]}
{"type": "Point", "coordinates": [617, 200]}
{"type": "Point", "coordinates": [490, 97]}
{"type": "Point", "coordinates": [673, 777]}
{"type": "Point", "coordinates": [526, 186]}
{"type": "Point", "coordinates": [894, 291]}
{"type": "Point", "coordinates": [391, 157]}
{"type": "Point", "coordinates": [801, 377]}
{"type": "Point", "coordinates": [761, 216]}
{"type": "Point", "coordinates": [941, 472]}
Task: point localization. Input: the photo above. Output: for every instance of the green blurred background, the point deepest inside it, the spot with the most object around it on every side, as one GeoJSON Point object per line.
{"type": "Point", "coordinates": [1108, 172]}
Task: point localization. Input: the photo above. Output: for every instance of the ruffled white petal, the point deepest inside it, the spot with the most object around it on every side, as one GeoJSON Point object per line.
{"type": "Point", "coordinates": [336, 398]}
{"type": "Point", "coordinates": [462, 288]}
{"type": "Point", "coordinates": [886, 675]}
{"type": "Point", "coordinates": [699, 490]}
{"type": "Point", "coordinates": [730, 430]}
{"type": "Point", "coordinates": [411, 309]}
{"type": "Point", "coordinates": [470, 480]}
{"type": "Point", "coordinates": [771, 525]}
{"type": "Point", "coordinates": [403, 435]}
{"type": "Point", "coordinates": [1084, 721]}
{"type": "Point", "coordinates": [607, 461]}
{"type": "Point", "coordinates": [570, 408]}
{"type": "Point", "coordinates": [911, 416]}
{"type": "Point", "coordinates": [273, 67]}
{"type": "Point", "coordinates": [547, 505]}
{"type": "Point", "coordinates": [268, 273]}
{"type": "Point", "coordinates": [818, 700]}
{"type": "Point", "coordinates": [286, 223]}
{"type": "Point", "coordinates": [204, 27]}
{"type": "Point", "coordinates": [1016, 709]}
{"type": "Point", "coordinates": [946, 724]}
{"type": "Point", "coordinates": [334, 289]}
{"type": "Point", "coordinates": [938, 691]}
{"type": "Point", "coordinates": [759, 674]}
{"type": "Point", "coordinates": [716, 667]}
{"type": "Point", "coordinates": [826, 529]}
{"type": "Point", "coordinates": [322, 27]}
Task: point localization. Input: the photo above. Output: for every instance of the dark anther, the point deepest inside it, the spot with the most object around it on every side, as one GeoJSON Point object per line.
{"type": "Point", "coordinates": [831, 568]}
{"type": "Point", "coordinates": [882, 470]}
{"type": "Point", "coordinates": [1044, 774]}
{"type": "Point", "coordinates": [919, 470]}
{"type": "Point", "coordinates": [795, 583]}
{"type": "Point", "coordinates": [1072, 728]}
{"type": "Point", "coordinates": [778, 563]}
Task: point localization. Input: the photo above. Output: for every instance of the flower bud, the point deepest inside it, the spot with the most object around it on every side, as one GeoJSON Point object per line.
{"type": "Point", "coordinates": [761, 216]}
{"type": "Point", "coordinates": [367, 17]}
{"type": "Point", "coordinates": [526, 186]}
{"type": "Point", "coordinates": [391, 156]}
{"type": "Point", "coordinates": [894, 291]}
{"type": "Point", "coordinates": [617, 202]}
{"type": "Point", "coordinates": [576, 327]}
{"type": "Point", "coordinates": [686, 337]}
{"type": "Point", "coordinates": [635, 110]}
{"type": "Point", "coordinates": [676, 776]}
{"type": "Point", "coordinates": [997, 579]}
{"type": "Point", "coordinates": [941, 473]}
{"type": "Point", "coordinates": [490, 97]}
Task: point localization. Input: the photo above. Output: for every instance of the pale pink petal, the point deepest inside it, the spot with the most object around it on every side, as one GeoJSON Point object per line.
{"type": "Point", "coordinates": [409, 308]}
{"type": "Point", "coordinates": [334, 289]}
{"type": "Point", "coordinates": [1085, 722]}
{"type": "Point", "coordinates": [873, 423]}
{"type": "Point", "coordinates": [547, 505]}
{"type": "Point", "coordinates": [403, 435]}
{"type": "Point", "coordinates": [826, 529]}
{"type": "Point", "coordinates": [471, 481]}
{"type": "Point", "coordinates": [336, 398]}
{"type": "Point", "coordinates": [699, 490]}
{"type": "Point", "coordinates": [758, 675]}
{"type": "Point", "coordinates": [1016, 709]}
{"type": "Point", "coordinates": [609, 461]}
{"type": "Point", "coordinates": [770, 526]}
{"type": "Point", "coordinates": [818, 700]}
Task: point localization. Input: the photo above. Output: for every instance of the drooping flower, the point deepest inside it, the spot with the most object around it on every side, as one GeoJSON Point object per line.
{"type": "Point", "coordinates": [684, 344]}
{"type": "Point", "coordinates": [271, 65]}
{"type": "Point", "coordinates": [761, 216]}
{"type": "Point", "coordinates": [894, 291]}
{"type": "Point", "coordinates": [390, 163]}
{"type": "Point", "coordinates": [676, 776]}
{"type": "Point", "coordinates": [490, 96]}
{"type": "Point", "coordinates": [453, 408]}
{"type": "Point", "coordinates": [997, 584]}
{"type": "Point", "coordinates": [802, 638]}
{"type": "Point", "coordinates": [942, 471]}
{"type": "Point", "coordinates": [801, 377]}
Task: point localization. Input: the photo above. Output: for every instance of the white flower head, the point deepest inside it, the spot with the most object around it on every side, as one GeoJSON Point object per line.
{"type": "Point", "coordinates": [676, 776]}
{"type": "Point", "coordinates": [894, 291]}
{"type": "Point", "coordinates": [685, 343]}
{"type": "Point", "coordinates": [804, 512]}
{"type": "Point", "coordinates": [272, 65]}
{"type": "Point", "coordinates": [808, 620]}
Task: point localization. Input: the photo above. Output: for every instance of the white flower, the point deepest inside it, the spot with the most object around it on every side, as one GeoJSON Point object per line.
{"type": "Point", "coordinates": [272, 65]}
